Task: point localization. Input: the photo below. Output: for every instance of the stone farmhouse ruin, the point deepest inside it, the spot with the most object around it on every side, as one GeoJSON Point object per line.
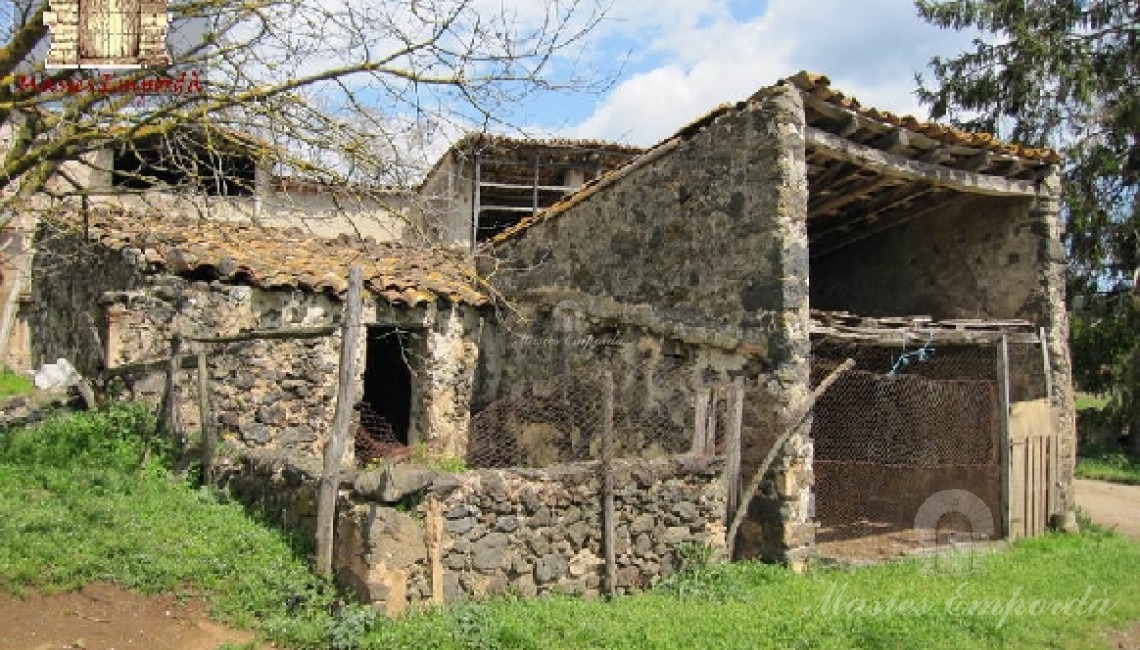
{"type": "Point", "coordinates": [756, 248]}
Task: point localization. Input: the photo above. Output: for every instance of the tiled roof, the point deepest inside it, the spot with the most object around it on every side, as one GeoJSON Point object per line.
{"type": "Point", "coordinates": [284, 258]}
{"type": "Point", "coordinates": [819, 86]}
{"type": "Point", "coordinates": [493, 141]}
{"type": "Point", "coordinates": [816, 85]}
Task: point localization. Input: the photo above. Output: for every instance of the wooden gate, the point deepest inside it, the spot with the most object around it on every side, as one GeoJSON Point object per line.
{"type": "Point", "coordinates": [109, 31]}
{"type": "Point", "coordinates": [1031, 454]}
{"type": "Point", "coordinates": [1033, 468]}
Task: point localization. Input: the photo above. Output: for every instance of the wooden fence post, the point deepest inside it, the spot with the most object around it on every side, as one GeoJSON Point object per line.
{"type": "Point", "coordinates": [209, 436]}
{"type": "Point", "coordinates": [608, 523]}
{"type": "Point", "coordinates": [334, 448]}
{"type": "Point", "coordinates": [732, 451]}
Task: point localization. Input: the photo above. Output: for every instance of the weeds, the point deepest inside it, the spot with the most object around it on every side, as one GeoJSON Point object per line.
{"type": "Point", "coordinates": [14, 383]}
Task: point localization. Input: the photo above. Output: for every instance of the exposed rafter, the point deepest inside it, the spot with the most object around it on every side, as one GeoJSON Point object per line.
{"type": "Point", "coordinates": [901, 167]}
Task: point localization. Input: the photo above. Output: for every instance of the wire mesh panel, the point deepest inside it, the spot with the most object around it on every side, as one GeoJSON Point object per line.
{"type": "Point", "coordinates": [558, 420]}
{"type": "Point", "coordinates": [898, 429]}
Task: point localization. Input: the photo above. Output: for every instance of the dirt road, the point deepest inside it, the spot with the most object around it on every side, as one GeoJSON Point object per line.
{"type": "Point", "coordinates": [103, 617]}
{"type": "Point", "coordinates": [1111, 504]}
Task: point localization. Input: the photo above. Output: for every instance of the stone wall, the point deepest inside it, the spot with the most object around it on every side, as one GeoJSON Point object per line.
{"type": "Point", "coordinates": [408, 535]}
{"type": "Point", "coordinates": [705, 233]}
{"type": "Point", "coordinates": [97, 308]}
{"type": "Point", "coordinates": [976, 257]}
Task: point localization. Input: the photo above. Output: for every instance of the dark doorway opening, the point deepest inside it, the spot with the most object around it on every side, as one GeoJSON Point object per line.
{"type": "Point", "coordinates": [387, 406]}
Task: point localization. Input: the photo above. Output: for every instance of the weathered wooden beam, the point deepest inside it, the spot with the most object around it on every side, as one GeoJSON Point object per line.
{"type": "Point", "coordinates": [849, 195]}
{"type": "Point", "coordinates": [256, 335]}
{"type": "Point", "coordinates": [338, 438]}
{"type": "Point", "coordinates": [894, 141]}
{"type": "Point", "coordinates": [901, 167]}
{"type": "Point", "coordinates": [821, 245]}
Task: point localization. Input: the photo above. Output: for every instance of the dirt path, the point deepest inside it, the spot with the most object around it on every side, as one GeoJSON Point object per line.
{"type": "Point", "coordinates": [1111, 504]}
{"type": "Point", "coordinates": [105, 617]}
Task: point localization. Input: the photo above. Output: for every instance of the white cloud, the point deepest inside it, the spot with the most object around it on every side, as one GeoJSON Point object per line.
{"type": "Point", "coordinates": [693, 55]}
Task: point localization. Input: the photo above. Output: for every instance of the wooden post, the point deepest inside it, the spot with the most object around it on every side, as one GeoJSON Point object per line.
{"type": "Point", "coordinates": [608, 523]}
{"type": "Point", "coordinates": [171, 426]}
{"type": "Point", "coordinates": [209, 436]}
{"type": "Point", "coordinates": [700, 419]}
{"type": "Point", "coordinates": [475, 200]}
{"type": "Point", "coordinates": [1006, 444]}
{"type": "Point", "coordinates": [334, 448]}
{"type": "Point", "coordinates": [732, 450]}
{"type": "Point", "coordinates": [1045, 362]}
{"type": "Point", "coordinates": [762, 469]}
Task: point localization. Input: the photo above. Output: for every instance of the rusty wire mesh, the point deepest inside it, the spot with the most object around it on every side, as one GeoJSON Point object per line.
{"type": "Point", "coordinates": [559, 419]}
{"type": "Point", "coordinates": [890, 434]}
{"type": "Point", "coordinates": [375, 439]}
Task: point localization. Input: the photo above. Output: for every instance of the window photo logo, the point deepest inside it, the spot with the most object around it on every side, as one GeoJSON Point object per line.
{"type": "Point", "coordinates": [105, 34]}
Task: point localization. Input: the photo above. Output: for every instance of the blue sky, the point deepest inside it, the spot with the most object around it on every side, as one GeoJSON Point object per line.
{"type": "Point", "coordinates": [676, 59]}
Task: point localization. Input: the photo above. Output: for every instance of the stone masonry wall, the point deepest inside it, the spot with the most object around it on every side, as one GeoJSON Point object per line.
{"type": "Point", "coordinates": [977, 257]}
{"type": "Point", "coordinates": [707, 231]}
{"type": "Point", "coordinates": [409, 535]}
{"type": "Point", "coordinates": [100, 309]}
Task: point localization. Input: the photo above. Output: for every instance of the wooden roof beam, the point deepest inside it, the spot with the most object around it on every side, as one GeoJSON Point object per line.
{"type": "Point", "coordinates": [901, 167]}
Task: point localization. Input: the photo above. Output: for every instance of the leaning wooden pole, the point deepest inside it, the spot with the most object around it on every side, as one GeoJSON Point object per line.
{"type": "Point", "coordinates": [608, 519]}
{"type": "Point", "coordinates": [750, 491]}
{"type": "Point", "coordinates": [334, 448]}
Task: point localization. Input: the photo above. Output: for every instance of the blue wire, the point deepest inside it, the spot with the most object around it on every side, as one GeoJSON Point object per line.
{"type": "Point", "coordinates": [921, 354]}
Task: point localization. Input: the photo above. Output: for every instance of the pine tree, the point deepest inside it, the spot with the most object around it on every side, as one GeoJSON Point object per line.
{"type": "Point", "coordinates": [1066, 74]}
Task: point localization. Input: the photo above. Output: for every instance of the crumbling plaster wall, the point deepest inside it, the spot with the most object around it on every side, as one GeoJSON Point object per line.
{"type": "Point", "coordinates": [708, 231]}
{"type": "Point", "coordinates": [975, 257]}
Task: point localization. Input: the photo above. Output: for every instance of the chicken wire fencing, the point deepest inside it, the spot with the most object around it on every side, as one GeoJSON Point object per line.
{"type": "Point", "coordinates": [903, 426]}
{"type": "Point", "coordinates": [561, 419]}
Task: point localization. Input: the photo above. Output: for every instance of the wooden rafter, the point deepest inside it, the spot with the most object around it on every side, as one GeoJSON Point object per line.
{"type": "Point", "coordinates": [899, 166]}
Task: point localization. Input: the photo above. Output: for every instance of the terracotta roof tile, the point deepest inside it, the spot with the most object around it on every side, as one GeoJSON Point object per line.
{"type": "Point", "coordinates": [272, 258]}
{"type": "Point", "coordinates": [819, 86]}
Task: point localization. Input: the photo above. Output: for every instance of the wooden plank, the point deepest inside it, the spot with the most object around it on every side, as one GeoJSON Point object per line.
{"type": "Point", "coordinates": [732, 451]}
{"type": "Point", "coordinates": [1047, 366]}
{"type": "Point", "coordinates": [608, 522]}
{"type": "Point", "coordinates": [899, 166]}
{"type": "Point", "coordinates": [1031, 487]}
{"type": "Point", "coordinates": [476, 203]}
{"type": "Point", "coordinates": [528, 187]}
{"type": "Point", "coordinates": [700, 419]}
{"type": "Point", "coordinates": [334, 448]}
{"type": "Point", "coordinates": [1008, 491]}
{"type": "Point", "coordinates": [709, 441]}
{"type": "Point", "coordinates": [258, 335]}
{"type": "Point", "coordinates": [209, 434]}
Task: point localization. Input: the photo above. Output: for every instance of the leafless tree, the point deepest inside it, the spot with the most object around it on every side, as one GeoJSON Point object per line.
{"type": "Point", "coordinates": [341, 92]}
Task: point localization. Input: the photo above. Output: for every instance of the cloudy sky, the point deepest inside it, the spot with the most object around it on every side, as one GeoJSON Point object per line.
{"type": "Point", "coordinates": [679, 58]}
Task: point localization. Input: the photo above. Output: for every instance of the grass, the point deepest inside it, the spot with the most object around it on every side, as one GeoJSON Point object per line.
{"type": "Point", "coordinates": [14, 383]}
{"type": "Point", "coordinates": [75, 506]}
{"type": "Point", "coordinates": [1091, 401]}
{"type": "Point", "coordinates": [1105, 464]}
